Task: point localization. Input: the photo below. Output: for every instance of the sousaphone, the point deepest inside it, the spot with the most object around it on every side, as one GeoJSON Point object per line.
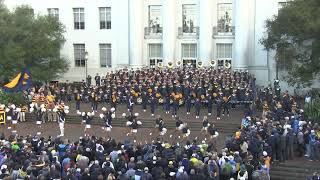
{"type": "Point", "coordinates": [213, 63]}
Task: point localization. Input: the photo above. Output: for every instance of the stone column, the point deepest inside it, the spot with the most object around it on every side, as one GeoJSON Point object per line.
{"type": "Point", "coordinates": [169, 31]}
{"type": "Point", "coordinates": [136, 32]}
{"type": "Point", "coordinates": [205, 36]}
{"type": "Point", "coordinates": [241, 19]}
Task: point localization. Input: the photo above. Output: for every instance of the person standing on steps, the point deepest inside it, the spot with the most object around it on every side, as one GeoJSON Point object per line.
{"type": "Point", "coordinates": [153, 103]}
{"type": "Point", "coordinates": [197, 106]}
{"type": "Point", "coordinates": [188, 104]}
{"type": "Point", "coordinates": [219, 106]}
{"type": "Point", "coordinates": [88, 80]}
{"type": "Point", "coordinates": [209, 104]}
{"type": "Point", "coordinates": [97, 78]}
{"type": "Point", "coordinates": [144, 99]}
{"type": "Point", "coordinates": [225, 105]}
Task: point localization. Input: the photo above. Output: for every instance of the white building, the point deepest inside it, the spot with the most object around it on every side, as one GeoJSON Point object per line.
{"type": "Point", "coordinates": [135, 33]}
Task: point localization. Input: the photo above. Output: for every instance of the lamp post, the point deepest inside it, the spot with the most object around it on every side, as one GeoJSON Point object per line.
{"type": "Point", "coordinates": [86, 60]}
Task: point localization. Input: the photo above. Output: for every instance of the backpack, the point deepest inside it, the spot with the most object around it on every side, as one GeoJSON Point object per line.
{"type": "Point", "coordinates": [226, 169]}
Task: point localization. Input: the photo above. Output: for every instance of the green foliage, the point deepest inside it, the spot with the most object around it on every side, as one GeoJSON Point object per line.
{"type": "Point", "coordinates": [313, 110]}
{"type": "Point", "coordinates": [15, 98]}
{"type": "Point", "coordinates": [28, 40]}
{"type": "Point", "coordinates": [296, 29]}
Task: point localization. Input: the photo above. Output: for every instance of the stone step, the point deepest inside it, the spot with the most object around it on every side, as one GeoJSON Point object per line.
{"type": "Point", "coordinates": [150, 123]}
{"type": "Point", "coordinates": [301, 169]}
{"type": "Point", "coordinates": [282, 175]}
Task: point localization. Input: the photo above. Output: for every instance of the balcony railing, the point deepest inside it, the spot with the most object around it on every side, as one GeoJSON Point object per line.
{"type": "Point", "coordinates": [186, 32]}
{"type": "Point", "coordinates": [223, 31]}
{"type": "Point", "coordinates": [153, 32]}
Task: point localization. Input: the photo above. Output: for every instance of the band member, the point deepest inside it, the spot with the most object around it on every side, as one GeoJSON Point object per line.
{"type": "Point", "coordinates": [15, 118]}
{"type": "Point", "coordinates": [205, 124]}
{"type": "Point", "coordinates": [144, 99]}
{"type": "Point", "coordinates": [114, 100]}
{"type": "Point", "coordinates": [167, 104]}
{"type": "Point", "coordinates": [24, 109]}
{"type": "Point", "coordinates": [153, 103]}
{"type": "Point", "coordinates": [209, 104]}
{"type": "Point", "coordinates": [130, 119]}
{"type": "Point", "coordinates": [97, 79]}
{"type": "Point", "coordinates": [219, 106]}
{"type": "Point", "coordinates": [179, 125]}
{"type": "Point", "coordinates": [197, 105]}
{"type": "Point", "coordinates": [212, 131]}
{"type": "Point", "coordinates": [107, 117]}
{"type": "Point", "coordinates": [175, 104]}
{"type": "Point", "coordinates": [225, 104]}
{"type": "Point", "coordinates": [89, 118]}
{"type": "Point", "coordinates": [265, 109]}
{"type": "Point", "coordinates": [233, 100]}
{"type": "Point", "coordinates": [160, 126]}
{"type": "Point", "coordinates": [39, 112]}
{"type": "Point", "coordinates": [130, 103]}
{"type": "Point", "coordinates": [94, 101]}
{"type": "Point", "coordinates": [188, 104]}
{"type": "Point", "coordinates": [77, 98]}
{"type": "Point", "coordinates": [61, 112]}
{"type": "Point", "coordinates": [134, 127]}
{"type": "Point", "coordinates": [185, 130]}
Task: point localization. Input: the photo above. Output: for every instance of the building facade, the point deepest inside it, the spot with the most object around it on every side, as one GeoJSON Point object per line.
{"type": "Point", "coordinates": [104, 35]}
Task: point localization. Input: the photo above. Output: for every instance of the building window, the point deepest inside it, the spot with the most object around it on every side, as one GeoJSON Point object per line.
{"type": "Point", "coordinates": [105, 17]}
{"type": "Point", "coordinates": [155, 54]}
{"type": "Point", "coordinates": [189, 18]}
{"type": "Point", "coordinates": [189, 54]}
{"type": "Point", "coordinates": [155, 19]}
{"type": "Point", "coordinates": [189, 51]}
{"type": "Point", "coordinates": [224, 17]}
{"type": "Point", "coordinates": [224, 51]}
{"type": "Point", "coordinates": [78, 15]}
{"type": "Point", "coordinates": [79, 55]}
{"type": "Point", "coordinates": [105, 55]}
{"type": "Point", "coordinates": [53, 12]}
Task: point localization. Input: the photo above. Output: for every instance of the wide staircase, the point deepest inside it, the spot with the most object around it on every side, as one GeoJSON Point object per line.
{"type": "Point", "coordinates": [298, 169]}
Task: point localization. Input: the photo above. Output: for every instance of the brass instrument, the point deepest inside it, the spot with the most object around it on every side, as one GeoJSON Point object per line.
{"type": "Point", "coordinates": [227, 65]}
{"type": "Point", "coordinates": [160, 65]}
{"type": "Point", "coordinates": [178, 63]}
{"type": "Point", "coordinates": [213, 63]}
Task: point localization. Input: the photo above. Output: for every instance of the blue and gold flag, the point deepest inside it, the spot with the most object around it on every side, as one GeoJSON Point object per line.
{"type": "Point", "coordinates": [21, 82]}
